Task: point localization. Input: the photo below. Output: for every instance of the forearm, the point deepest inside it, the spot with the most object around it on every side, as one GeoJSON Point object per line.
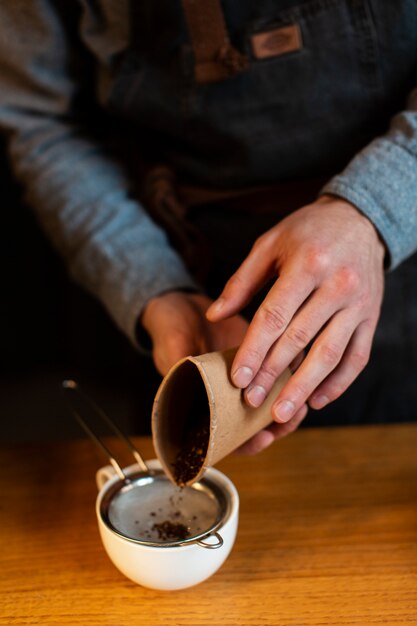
{"type": "Point", "coordinates": [79, 191]}
{"type": "Point", "coordinates": [81, 197]}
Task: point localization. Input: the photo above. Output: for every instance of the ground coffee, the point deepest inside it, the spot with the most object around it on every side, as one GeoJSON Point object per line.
{"type": "Point", "coordinates": [156, 510]}
{"type": "Point", "coordinates": [169, 531]}
{"type": "Point", "coordinates": [191, 455]}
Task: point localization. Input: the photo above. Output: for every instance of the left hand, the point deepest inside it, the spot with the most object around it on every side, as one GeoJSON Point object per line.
{"type": "Point", "coordinates": [329, 261]}
{"type": "Point", "coordinates": [177, 324]}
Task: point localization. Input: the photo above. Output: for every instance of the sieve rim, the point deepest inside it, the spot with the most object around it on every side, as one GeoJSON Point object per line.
{"type": "Point", "coordinates": [221, 493]}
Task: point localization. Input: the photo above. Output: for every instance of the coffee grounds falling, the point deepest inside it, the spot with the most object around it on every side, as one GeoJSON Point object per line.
{"type": "Point", "coordinates": [191, 456]}
{"type": "Point", "coordinates": [168, 530]}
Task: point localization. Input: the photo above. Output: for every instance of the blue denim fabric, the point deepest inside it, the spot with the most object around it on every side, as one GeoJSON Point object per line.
{"type": "Point", "coordinates": [72, 72]}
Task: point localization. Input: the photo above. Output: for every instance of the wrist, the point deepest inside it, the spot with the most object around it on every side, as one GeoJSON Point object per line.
{"type": "Point", "coordinates": [365, 220]}
{"type": "Point", "coordinates": [144, 323]}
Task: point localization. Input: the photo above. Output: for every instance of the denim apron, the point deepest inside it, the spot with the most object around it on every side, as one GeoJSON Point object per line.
{"type": "Point", "coordinates": [293, 116]}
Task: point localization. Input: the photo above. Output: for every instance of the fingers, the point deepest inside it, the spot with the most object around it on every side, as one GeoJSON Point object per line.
{"type": "Point", "coordinates": [269, 323]}
{"type": "Point", "coordinates": [295, 363]}
{"type": "Point", "coordinates": [272, 433]}
{"type": "Point", "coordinates": [317, 249]}
{"type": "Point", "coordinates": [323, 357]}
{"type": "Point", "coordinates": [282, 430]}
{"type": "Point", "coordinates": [257, 443]}
{"type": "Point", "coordinates": [354, 361]}
{"type": "Point", "coordinates": [303, 328]}
{"type": "Point", "coordinates": [255, 270]}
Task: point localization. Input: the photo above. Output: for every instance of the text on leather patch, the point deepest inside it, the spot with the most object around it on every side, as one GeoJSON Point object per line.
{"type": "Point", "coordinates": [276, 42]}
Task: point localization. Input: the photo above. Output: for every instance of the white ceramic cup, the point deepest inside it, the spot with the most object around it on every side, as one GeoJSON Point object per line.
{"type": "Point", "coordinates": [168, 567]}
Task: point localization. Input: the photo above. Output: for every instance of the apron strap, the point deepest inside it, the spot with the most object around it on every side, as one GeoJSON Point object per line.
{"type": "Point", "coordinates": [215, 57]}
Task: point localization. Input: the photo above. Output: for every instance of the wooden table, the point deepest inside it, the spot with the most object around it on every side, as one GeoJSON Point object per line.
{"type": "Point", "coordinates": [328, 536]}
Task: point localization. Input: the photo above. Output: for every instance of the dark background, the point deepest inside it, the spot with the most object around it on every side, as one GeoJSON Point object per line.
{"type": "Point", "coordinates": [51, 329]}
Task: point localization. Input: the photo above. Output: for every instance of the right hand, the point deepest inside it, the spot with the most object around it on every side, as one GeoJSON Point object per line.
{"type": "Point", "coordinates": [327, 260]}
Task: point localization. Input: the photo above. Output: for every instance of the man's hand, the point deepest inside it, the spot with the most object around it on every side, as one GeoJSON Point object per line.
{"type": "Point", "coordinates": [178, 327]}
{"type": "Point", "coordinates": [329, 262]}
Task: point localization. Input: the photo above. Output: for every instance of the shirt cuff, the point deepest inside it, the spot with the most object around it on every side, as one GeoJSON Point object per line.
{"type": "Point", "coordinates": [381, 181]}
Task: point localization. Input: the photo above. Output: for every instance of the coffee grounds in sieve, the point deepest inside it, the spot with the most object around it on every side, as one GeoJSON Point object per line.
{"type": "Point", "coordinates": [190, 457]}
{"type": "Point", "coordinates": [141, 509]}
{"type": "Point", "coordinates": [169, 531]}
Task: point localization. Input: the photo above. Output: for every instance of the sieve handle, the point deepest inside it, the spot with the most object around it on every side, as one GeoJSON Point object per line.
{"type": "Point", "coordinates": [77, 397]}
{"type": "Point", "coordinates": [211, 546]}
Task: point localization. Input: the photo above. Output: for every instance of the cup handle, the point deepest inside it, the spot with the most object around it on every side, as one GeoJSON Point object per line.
{"type": "Point", "coordinates": [103, 475]}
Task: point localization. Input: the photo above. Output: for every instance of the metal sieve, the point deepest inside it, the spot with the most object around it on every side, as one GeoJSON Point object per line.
{"type": "Point", "coordinates": [143, 505]}
{"type": "Point", "coordinates": [138, 510]}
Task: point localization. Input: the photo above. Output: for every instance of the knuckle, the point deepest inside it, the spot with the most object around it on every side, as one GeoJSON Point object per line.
{"type": "Point", "coordinates": [330, 354]}
{"type": "Point", "coordinates": [298, 337]}
{"type": "Point", "coordinates": [265, 240]}
{"type": "Point", "coordinates": [364, 300]}
{"type": "Point", "coordinates": [334, 390]}
{"type": "Point", "coordinates": [235, 282]}
{"type": "Point", "coordinates": [317, 260]}
{"type": "Point", "coordinates": [178, 344]}
{"type": "Point", "coordinates": [347, 281]}
{"type": "Point", "coordinates": [300, 391]}
{"type": "Point", "coordinates": [273, 318]}
{"type": "Point", "coordinates": [359, 359]}
{"type": "Point", "coordinates": [268, 373]}
{"type": "Point", "coordinates": [253, 357]}
{"type": "Point", "coordinates": [175, 339]}
{"type": "Point", "coordinates": [259, 243]}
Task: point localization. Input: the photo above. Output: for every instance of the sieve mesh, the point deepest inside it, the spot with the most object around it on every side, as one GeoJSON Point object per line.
{"type": "Point", "coordinates": [150, 509]}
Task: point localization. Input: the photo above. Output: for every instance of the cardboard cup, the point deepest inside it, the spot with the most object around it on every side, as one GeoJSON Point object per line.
{"type": "Point", "coordinates": [198, 388]}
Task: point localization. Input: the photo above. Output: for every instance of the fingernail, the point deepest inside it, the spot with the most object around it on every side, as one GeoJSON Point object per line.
{"type": "Point", "coordinates": [284, 410]}
{"type": "Point", "coordinates": [256, 395]}
{"type": "Point", "coordinates": [319, 401]}
{"type": "Point", "coordinates": [242, 376]}
{"type": "Point", "coordinates": [216, 306]}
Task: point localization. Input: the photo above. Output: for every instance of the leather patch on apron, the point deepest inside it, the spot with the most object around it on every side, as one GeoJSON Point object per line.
{"type": "Point", "coordinates": [276, 42]}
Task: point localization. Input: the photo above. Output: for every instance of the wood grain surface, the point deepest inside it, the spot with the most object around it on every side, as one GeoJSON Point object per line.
{"type": "Point", "coordinates": [327, 536]}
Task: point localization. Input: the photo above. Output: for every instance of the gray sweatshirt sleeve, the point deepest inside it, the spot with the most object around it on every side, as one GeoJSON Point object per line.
{"type": "Point", "coordinates": [78, 190]}
{"type": "Point", "coordinates": [381, 181]}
